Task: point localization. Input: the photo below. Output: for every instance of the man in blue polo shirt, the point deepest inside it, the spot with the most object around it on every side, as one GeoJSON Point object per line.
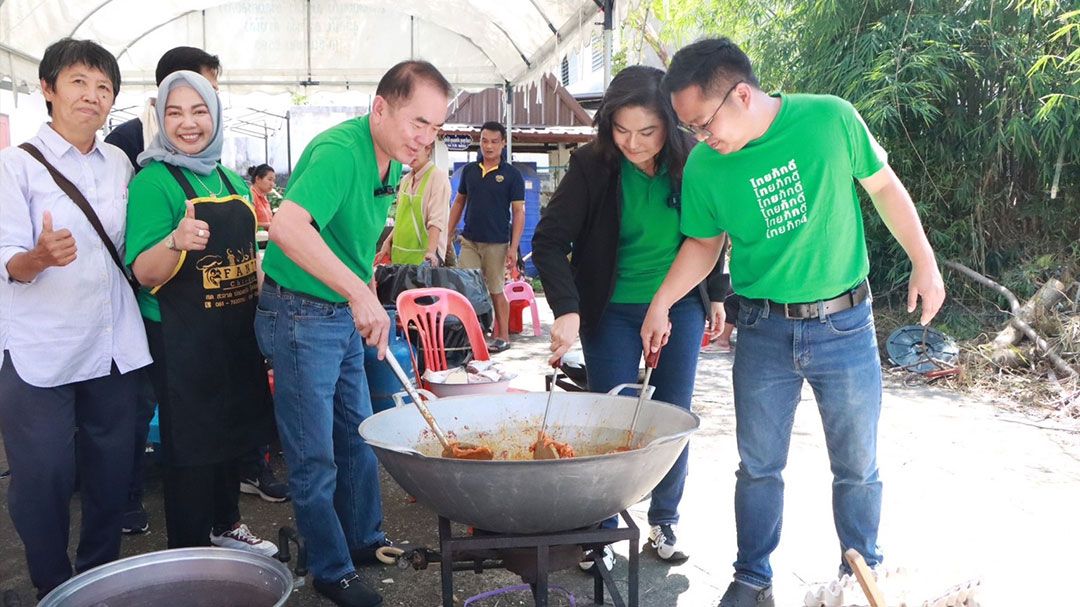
{"type": "Point", "coordinates": [489, 191]}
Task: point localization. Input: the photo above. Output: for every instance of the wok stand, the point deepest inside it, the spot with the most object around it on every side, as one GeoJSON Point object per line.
{"type": "Point", "coordinates": [478, 553]}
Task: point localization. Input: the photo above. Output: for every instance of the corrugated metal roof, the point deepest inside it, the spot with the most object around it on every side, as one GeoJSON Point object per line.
{"type": "Point", "coordinates": [545, 103]}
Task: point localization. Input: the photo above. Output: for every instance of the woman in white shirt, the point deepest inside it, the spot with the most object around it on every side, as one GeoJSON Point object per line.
{"type": "Point", "coordinates": [70, 330]}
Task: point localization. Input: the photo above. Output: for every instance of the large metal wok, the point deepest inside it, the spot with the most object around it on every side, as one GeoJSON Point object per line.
{"type": "Point", "coordinates": [514, 493]}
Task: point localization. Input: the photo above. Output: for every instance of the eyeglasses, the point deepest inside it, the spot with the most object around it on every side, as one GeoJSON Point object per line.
{"type": "Point", "coordinates": [703, 132]}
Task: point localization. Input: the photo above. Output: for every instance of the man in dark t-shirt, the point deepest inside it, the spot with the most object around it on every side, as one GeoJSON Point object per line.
{"type": "Point", "coordinates": [491, 191]}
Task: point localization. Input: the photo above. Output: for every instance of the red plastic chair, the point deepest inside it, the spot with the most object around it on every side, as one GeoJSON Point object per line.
{"type": "Point", "coordinates": [520, 290]}
{"type": "Point", "coordinates": [428, 318]}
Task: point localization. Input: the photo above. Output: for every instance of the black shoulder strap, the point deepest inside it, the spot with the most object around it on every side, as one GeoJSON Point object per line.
{"type": "Point", "coordinates": [224, 179]}
{"type": "Point", "coordinates": [189, 190]}
{"type": "Point", "coordinates": [178, 175]}
{"type": "Point", "coordinates": [84, 205]}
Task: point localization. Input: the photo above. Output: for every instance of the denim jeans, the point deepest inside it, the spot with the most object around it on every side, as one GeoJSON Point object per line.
{"type": "Point", "coordinates": [612, 357]}
{"type": "Point", "coordinates": [321, 396]}
{"type": "Point", "coordinates": [838, 356]}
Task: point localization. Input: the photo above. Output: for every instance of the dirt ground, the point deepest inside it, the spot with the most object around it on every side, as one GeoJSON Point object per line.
{"type": "Point", "coordinates": [971, 492]}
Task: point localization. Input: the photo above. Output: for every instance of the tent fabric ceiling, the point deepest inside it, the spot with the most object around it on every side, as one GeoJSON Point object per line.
{"type": "Point", "coordinates": [265, 44]}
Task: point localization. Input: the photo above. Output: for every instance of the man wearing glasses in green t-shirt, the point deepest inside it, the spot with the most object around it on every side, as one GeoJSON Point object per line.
{"type": "Point", "coordinates": [777, 173]}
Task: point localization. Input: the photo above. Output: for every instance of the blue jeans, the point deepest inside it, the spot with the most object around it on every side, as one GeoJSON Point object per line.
{"type": "Point", "coordinates": [838, 356]}
{"type": "Point", "coordinates": [321, 396]}
{"type": "Point", "coordinates": [612, 357]}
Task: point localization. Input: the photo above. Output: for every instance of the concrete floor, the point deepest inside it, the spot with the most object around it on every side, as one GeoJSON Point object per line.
{"type": "Point", "coordinates": [970, 492]}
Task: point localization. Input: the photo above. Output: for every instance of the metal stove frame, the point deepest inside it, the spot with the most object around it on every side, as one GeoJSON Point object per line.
{"type": "Point", "coordinates": [595, 539]}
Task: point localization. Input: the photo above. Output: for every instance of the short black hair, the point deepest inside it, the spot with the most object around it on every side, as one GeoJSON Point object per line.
{"type": "Point", "coordinates": [712, 64]}
{"type": "Point", "coordinates": [496, 127]}
{"type": "Point", "coordinates": [639, 86]}
{"type": "Point", "coordinates": [397, 83]}
{"type": "Point", "coordinates": [185, 58]}
{"type": "Point", "coordinates": [67, 52]}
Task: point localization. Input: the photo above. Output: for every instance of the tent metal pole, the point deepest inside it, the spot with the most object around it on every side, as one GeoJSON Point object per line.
{"type": "Point", "coordinates": [509, 122]}
{"type": "Point", "coordinates": [609, 19]}
{"type": "Point", "coordinates": [307, 20]}
{"type": "Point", "coordinates": [288, 139]}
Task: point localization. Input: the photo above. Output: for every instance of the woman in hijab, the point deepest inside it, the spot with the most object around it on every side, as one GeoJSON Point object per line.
{"type": "Point", "coordinates": [191, 244]}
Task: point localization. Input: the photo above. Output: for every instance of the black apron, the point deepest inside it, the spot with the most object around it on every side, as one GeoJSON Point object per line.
{"type": "Point", "coordinates": [218, 399]}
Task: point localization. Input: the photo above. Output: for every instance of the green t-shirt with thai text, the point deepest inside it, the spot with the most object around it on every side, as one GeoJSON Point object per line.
{"type": "Point", "coordinates": [336, 180]}
{"type": "Point", "coordinates": [788, 201]}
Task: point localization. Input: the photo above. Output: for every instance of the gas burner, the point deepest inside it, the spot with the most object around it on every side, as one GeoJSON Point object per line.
{"type": "Point", "coordinates": [533, 557]}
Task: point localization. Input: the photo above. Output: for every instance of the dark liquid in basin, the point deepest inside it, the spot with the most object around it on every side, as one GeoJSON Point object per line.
{"type": "Point", "coordinates": [194, 594]}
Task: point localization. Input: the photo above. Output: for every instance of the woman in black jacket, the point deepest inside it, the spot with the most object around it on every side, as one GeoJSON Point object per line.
{"type": "Point", "coordinates": [616, 213]}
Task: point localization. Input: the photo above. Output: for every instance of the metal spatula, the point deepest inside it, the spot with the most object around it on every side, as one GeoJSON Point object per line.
{"type": "Point", "coordinates": [651, 361]}
{"type": "Point", "coordinates": [453, 449]}
{"type": "Point", "coordinates": [543, 449]}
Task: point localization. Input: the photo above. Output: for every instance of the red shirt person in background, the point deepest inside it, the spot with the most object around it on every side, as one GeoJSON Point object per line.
{"type": "Point", "coordinates": [262, 183]}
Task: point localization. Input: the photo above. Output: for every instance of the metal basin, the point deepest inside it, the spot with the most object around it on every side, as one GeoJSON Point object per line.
{"type": "Point", "coordinates": [185, 577]}
{"type": "Point", "coordinates": [513, 493]}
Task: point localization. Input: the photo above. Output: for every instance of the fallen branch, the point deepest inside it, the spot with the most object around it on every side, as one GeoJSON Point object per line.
{"type": "Point", "coordinates": [1044, 300]}
{"type": "Point", "coordinates": [1014, 305]}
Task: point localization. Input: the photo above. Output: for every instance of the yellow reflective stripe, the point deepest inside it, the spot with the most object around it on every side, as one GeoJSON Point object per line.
{"type": "Point", "coordinates": [202, 200]}
{"type": "Point", "coordinates": [175, 271]}
{"type": "Point", "coordinates": [220, 199]}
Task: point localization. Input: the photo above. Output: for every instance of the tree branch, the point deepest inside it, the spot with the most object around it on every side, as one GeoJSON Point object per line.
{"type": "Point", "coordinates": [1014, 304]}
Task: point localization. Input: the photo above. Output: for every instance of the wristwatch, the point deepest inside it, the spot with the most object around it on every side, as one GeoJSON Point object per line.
{"type": "Point", "coordinates": [170, 242]}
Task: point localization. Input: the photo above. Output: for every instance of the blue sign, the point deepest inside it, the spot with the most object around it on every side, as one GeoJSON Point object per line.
{"type": "Point", "coordinates": [457, 143]}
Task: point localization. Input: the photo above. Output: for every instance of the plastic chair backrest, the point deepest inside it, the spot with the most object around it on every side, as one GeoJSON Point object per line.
{"type": "Point", "coordinates": [429, 318]}
{"type": "Point", "coordinates": [519, 289]}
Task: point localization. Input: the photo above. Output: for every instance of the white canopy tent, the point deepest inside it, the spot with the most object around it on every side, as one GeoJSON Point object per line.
{"type": "Point", "coordinates": [273, 46]}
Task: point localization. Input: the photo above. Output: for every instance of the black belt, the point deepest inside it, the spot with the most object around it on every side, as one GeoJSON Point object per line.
{"type": "Point", "coordinates": [270, 282]}
{"type": "Point", "coordinates": [802, 311]}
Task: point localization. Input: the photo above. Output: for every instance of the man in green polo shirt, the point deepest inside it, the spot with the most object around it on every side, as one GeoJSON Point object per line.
{"type": "Point", "coordinates": [316, 310]}
{"type": "Point", "coordinates": [778, 172]}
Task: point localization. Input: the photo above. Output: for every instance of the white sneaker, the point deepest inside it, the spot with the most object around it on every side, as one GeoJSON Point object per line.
{"type": "Point", "coordinates": [609, 560]}
{"type": "Point", "coordinates": [241, 538]}
{"type": "Point", "coordinates": [662, 540]}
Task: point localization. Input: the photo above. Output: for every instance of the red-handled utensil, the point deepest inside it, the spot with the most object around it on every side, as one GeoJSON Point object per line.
{"type": "Point", "coordinates": [651, 360]}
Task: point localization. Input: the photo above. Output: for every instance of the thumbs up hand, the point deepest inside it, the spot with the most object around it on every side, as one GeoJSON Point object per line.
{"type": "Point", "coordinates": [54, 247]}
{"type": "Point", "coordinates": [191, 234]}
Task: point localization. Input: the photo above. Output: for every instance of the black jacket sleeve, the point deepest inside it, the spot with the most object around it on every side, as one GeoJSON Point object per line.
{"type": "Point", "coordinates": [562, 222]}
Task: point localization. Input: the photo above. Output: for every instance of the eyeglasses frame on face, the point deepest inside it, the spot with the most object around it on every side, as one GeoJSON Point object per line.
{"type": "Point", "coordinates": [703, 131]}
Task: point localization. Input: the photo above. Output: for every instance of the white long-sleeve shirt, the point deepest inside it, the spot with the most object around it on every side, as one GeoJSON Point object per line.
{"type": "Point", "coordinates": [70, 323]}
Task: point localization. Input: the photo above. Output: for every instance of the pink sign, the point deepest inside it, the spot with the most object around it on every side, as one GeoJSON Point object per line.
{"type": "Point", "coordinates": [5, 132]}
